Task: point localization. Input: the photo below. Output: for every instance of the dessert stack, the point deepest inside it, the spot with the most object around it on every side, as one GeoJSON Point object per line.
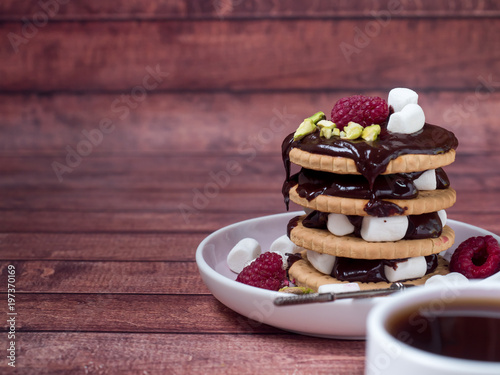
{"type": "Point", "coordinates": [372, 184]}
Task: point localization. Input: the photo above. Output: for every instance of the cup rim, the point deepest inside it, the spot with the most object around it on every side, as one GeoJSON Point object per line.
{"type": "Point", "coordinates": [379, 315]}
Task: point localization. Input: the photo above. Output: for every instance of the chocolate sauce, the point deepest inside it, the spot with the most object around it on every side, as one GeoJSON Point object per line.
{"type": "Point", "coordinates": [432, 263]}
{"type": "Point", "coordinates": [371, 158]}
{"type": "Point", "coordinates": [292, 224]}
{"type": "Point", "coordinates": [419, 226]}
{"type": "Point", "coordinates": [424, 226]}
{"type": "Point", "coordinates": [311, 183]}
{"type": "Point", "coordinates": [380, 208]}
{"type": "Point", "coordinates": [371, 270]}
{"type": "Point", "coordinates": [442, 180]}
{"type": "Point", "coordinates": [316, 220]}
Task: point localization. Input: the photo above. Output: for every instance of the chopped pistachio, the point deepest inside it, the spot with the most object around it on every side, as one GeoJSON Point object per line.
{"type": "Point", "coordinates": [353, 130]}
{"type": "Point", "coordinates": [296, 290]}
{"type": "Point", "coordinates": [305, 128]}
{"type": "Point", "coordinates": [326, 124]}
{"type": "Point", "coordinates": [370, 133]}
{"type": "Point", "coordinates": [336, 132]}
{"type": "Point", "coordinates": [326, 133]}
{"type": "Point", "coordinates": [318, 116]}
{"type": "Point", "coordinates": [308, 126]}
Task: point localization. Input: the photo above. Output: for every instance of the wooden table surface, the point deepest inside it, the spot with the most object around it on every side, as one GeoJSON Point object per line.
{"type": "Point", "coordinates": [113, 132]}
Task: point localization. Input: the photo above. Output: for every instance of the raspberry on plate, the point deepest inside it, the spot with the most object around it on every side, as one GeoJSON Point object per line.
{"type": "Point", "coordinates": [476, 257]}
{"type": "Point", "coordinates": [267, 271]}
{"type": "Point", "coordinates": [364, 110]}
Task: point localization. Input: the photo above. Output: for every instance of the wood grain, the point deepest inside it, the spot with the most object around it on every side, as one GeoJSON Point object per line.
{"type": "Point", "coordinates": [345, 54]}
{"type": "Point", "coordinates": [243, 125]}
{"type": "Point", "coordinates": [248, 9]}
{"type": "Point", "coordinates": [106, 277]}
{"type": "Point", "coordinates": [187, 313]}
{"type": "Point", "coordinates": [129, 353]}
{"type": "Point", "coordinates": [175, 247]}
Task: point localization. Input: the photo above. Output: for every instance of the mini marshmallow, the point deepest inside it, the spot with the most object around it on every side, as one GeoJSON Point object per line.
{"type": "Point", "coordinates": [322, 262]}
{"type": "Point", "coordinates": [399, 97]}
{"type": "Point", "coordinates": [412, 268]}
{"type": "Point", "coordinates": [339, 224]}
{"type": "Point", "coordinates": [426, 181]}
{"type": "Point", "coordinates": [453, 279]}
{"type": "Point", "coordinates": [242, 253]}
{"type": "Point", "coordinates": [409, 120]}
{"type": "Point", "coordinates": [339, 288]}
{"type": "Point", "coordinates": [443, 216]}
{"type": "Point", "coordinates": [284, 245]}
{"type": "Point", "coordinates": [378, 229]}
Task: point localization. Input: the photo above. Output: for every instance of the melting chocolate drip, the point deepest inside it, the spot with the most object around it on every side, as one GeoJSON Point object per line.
{"type": "Point", "coordinates": [292, 224]}
{"type": "Point", "coordinates": [316, 220]}
{"type": "Point", "coordinates": [424, 226]}
{"type": "Point", "coordinates": [419, 226]}
{"type": "Point", "coordinates": [371, 270]}
{"type": "Point", "coordinates": [311, 183]}
{"type": "Point", "coordinates": [372, 158]}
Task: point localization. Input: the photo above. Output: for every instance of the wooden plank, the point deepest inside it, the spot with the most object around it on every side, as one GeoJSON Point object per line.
{"type": "Point", "coordinates": [131, 313]}
{"type": "Point", "coordinates": [228, 200]}
{"type": "Point", "coordinates": [248, 9]}
{"type": "Point", "coordinates": [185, 218]}
{"type": "Point", "coordinates": [163, 178]}
{"type": "Point", "coordinates": [198, 221]}
{"type": "Point", "coordinates": [106, 277]}
{"type": "Point", "coordinates": [202, 220]}
{"type": "Point", "coordinates": [127, 353]}
{"type": "Point", "coordinates": [161, 247]}
{"type": "Point", "coordinates": [245, 125]}
{"type": "Point", "coordinates": [353, 54]}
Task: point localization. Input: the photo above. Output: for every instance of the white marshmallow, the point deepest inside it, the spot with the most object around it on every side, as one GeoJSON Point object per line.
{"type": "Point", "coordinates": [284, 245]}
{"type": "Point", "coordinates": [443, 216]}
{"type": "Point", "coordinates": [339, 224]}
{"type": "Point", "coordinates": [412, 268]}
{"type": "Point", "coordinates": [339, 288]}
{"type": "Point", "coordinates": [322, 262]}
{"type": "Point", "coordinates": [400, 96]}
{"type": "Point", "coordinates": [409, 120]}
{"type": "Point", "coordinates": [243, 252]}
{"type": "Point", "coordinates": [426, 181]}
{"type": "Point", "coordinates": [378, 229]}
{"type": "Point", "coordinates": [450, 280]}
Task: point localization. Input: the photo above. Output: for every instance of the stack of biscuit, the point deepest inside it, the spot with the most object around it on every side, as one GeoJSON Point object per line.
{"type": "Point", "coordinates": [375, 206]}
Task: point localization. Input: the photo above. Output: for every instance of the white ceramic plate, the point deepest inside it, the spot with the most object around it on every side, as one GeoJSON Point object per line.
{"type": "Point", "coordinates": [345, 319]}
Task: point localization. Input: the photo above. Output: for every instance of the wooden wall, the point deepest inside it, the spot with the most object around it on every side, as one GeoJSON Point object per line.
{"type": "Point", "coordinates": [229, 78]}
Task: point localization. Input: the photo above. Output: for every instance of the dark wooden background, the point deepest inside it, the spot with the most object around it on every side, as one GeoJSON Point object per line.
{"type": "Point", "coordinates": [105, 275]}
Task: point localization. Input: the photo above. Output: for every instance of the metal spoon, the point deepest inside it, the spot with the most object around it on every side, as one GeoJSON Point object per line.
{"type": "Point", "coordinates": [327, 297]}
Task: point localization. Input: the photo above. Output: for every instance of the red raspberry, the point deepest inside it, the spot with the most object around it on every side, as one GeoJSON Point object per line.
{"type": "Point", "coordinates": [476, 257]}
{"type": "Point", "coordinates": [364, 110]}
{"type": "Point", "coordinates": [265, 272]}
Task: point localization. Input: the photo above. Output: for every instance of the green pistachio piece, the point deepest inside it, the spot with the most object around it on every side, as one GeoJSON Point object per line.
{"type": "Point", "coordinates": [307, 127]}
{"type": "Point", "coordinates": [352, 131]}
{"type": "Point", "coordinates": [326, 124]}
{"type": "Point", "coordinates": [326, 133]}
{"type": "Point", "coordinates": [296, 290]}
{"type": "Point", "coordinates": [318, 116]}
{"type": "Point", "coordinates": [370, 133]}
{"type": "Point", "coordinates": [336, 132]}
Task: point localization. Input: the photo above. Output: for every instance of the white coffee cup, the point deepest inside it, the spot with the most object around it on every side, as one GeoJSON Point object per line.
{"type": "Point", "coordinates": [386, 355]}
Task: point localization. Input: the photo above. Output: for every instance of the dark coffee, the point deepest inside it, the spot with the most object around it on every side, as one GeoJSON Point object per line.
{"type": "Point", "coordinates": [462, 328]}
